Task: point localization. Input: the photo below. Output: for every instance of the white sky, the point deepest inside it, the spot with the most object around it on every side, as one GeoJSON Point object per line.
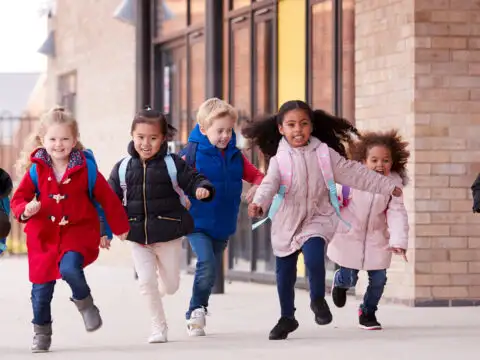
{"type": "Point", "coordinates": [22, 32]}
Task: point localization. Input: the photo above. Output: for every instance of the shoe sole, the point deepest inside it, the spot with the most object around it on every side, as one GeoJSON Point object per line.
{"type": "Point", "coordinates": [363, 327]}
{"type": "Point", "coordinates": [40, 351]}
{"type": "Point", "coordinates": [283, 337]}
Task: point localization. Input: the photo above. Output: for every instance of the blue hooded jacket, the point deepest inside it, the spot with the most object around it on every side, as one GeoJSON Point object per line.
{"type": "Point", "coordinates": [218, 218]}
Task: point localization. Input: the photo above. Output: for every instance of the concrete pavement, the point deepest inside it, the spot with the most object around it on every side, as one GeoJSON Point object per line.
{"type": "Point", "coordinates": [237, 329]}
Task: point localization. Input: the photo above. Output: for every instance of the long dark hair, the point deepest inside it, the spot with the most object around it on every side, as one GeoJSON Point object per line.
{"type": "Point", "coordinates": [391, 140]}
{"type": "Point", "coordinates": [327, 128]}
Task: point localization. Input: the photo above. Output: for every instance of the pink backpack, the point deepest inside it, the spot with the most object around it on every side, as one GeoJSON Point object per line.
{"type": "Point", "coordinates": [284, 160]}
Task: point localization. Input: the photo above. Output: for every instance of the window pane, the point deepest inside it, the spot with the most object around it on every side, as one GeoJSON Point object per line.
{"type": "Point", "coordinates": [321, 56]}
{"type": "Point", "coordinates": [237, 4]}
{"type": "Point", "coordinates": [171, 16]}
{"type": "Point", "coordinates": [264, 103]}
{"type": "Point", "coordinates": [175, 91]}
{"type": "Point", "coordinates": [349, 59]}
{"type": "Point", "coordinates": [197, 77]}
{"type": "Point", "coordinates": [241, 243]}
{"type": "Point", "coordinates": [197, 11]}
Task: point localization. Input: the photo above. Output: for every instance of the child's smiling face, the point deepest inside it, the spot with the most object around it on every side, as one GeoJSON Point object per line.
{"type": "Point", "coordinates": [379, 159]}
{"type": "Point", "coordinates": [296, 127]}
{"type": "Point", "coordinates": [147, 140]}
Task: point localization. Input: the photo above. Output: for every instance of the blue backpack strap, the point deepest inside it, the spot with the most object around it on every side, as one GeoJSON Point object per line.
{"type": "Point", "coordinates": [34, 177]}
{"type": "Point", "coordinates": [276, 202]}
{"type": "Point", "coordinates": [92, 170]}
{"type": "Point", "coordinates": [122, 176]}
{"type": "Point", "coordinates": [5, 205]}
{"type": "Point", "coordinates": [172, 173]}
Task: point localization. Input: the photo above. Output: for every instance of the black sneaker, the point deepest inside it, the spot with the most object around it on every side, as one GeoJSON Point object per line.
{"type": "Point", "coordinates": [368, 321]}
{"type": "Point", "coordinates": [284, 327]}
{"type": "Point", "coordinates": [320, 308]}
{"type": "Point", "coordinates": [339, 295]}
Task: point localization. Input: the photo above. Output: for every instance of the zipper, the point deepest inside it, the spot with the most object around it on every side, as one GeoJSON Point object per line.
{"type": "Point", "coordinates": [145, 201]}
{"type": "Point", "coordinates": [366, 230]}
{"type": "Point", "coordinates": [167, 218]}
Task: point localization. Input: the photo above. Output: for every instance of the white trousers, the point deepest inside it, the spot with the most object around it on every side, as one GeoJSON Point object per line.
{"type": "Point", "coordinates": [158, 270]}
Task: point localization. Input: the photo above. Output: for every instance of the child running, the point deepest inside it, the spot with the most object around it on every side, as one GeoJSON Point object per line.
{"type": "Point", "coordinates": [379, 225]}
{"type": "Point", "coordinates": [5, 190]}
{"type": "Point", "coordinates": [62, 223]}
{"type": "Point", "coordinates": [212, 150]}
{"type": "Point", "coordinates": [149, 182]}
{"type": "Point", "coordinates": [296, 138]}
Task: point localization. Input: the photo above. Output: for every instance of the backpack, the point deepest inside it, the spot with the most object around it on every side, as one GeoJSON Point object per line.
{"type": "Point", "coordinates": [4, 207]}
{"type": "Point", "coordinates": [190, 153]}
{"type": "Point", "coordinates": [172, 173]}
{"type": "Point", "coordinates": [285, 166]}
{"type": "Point", "coordinates": [92, 170]}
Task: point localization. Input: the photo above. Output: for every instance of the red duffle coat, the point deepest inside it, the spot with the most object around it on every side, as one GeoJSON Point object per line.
{"type": "Point", "coordinates": [67, 220]}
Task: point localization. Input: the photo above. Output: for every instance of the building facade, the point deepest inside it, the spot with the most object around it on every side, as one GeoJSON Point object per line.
{"type": "Point", "coordinates": [405, 64]}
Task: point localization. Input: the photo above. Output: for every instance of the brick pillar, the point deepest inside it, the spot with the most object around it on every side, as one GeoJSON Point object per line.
{"type": "Point", "coordinates": [417, 69]}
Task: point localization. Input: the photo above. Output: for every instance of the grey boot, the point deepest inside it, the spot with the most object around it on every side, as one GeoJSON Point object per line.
{"type": "Point", "coordinates": [42, 338]}
{"type": "Point", "coordinates": [89, 312]}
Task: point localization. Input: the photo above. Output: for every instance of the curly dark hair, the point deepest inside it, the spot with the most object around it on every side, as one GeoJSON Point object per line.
{"type": "Point", "coordinates": [358, 150]}
{"type": "Point", "coordinates": [332, 130]}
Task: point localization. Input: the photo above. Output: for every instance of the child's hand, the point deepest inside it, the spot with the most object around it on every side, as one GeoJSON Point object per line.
{"type": "Point", "coordinates": [104, 243]}
{"type": "Point", "coordinates": [251, 193]}
{"type": "Point", "coordinates": [188, 203]}
{"type": "Point", "coordinates": [254, 210]}
{"type": "Point", "coordinates": [399, 251]}
{"type": "Point", "coordinates": [202, 193]}
{"type": "Point", "coordinates": [397, 192]}
{"type": "Point", "coordinates": [123, 236]}
{"type": "Point", "coordinates": [32, 208]}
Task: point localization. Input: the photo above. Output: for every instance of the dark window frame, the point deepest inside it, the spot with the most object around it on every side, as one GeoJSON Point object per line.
{"type": "Point", "coordinates": [337, 53]}
{"type": "Point", "coordinates": [248, 17]}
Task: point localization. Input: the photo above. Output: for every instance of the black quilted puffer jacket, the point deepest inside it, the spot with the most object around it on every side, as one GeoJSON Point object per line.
{"type": "Point", "coordinates": [153, 206]}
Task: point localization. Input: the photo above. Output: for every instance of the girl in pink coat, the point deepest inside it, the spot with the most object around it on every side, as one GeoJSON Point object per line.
{"type": "Point", "coordinates": [305, 220]}
{"type": "Point", "coordinates": [379, 225]}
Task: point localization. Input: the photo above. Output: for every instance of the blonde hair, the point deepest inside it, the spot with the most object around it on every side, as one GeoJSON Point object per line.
{"type": "Point", "coordinates": [56, 115]}
{"type": "Point", "coordinates": [213, 109]}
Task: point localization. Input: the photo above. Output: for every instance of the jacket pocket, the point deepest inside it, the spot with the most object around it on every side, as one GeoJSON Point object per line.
{"type": "Point", "coordinates": [167, 218]}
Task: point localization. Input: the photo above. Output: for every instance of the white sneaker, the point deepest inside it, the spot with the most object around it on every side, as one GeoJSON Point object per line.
{"type": "Point", "coordinates": [197, 323]}
{"type": "Point", "coordinates": [159, 336]}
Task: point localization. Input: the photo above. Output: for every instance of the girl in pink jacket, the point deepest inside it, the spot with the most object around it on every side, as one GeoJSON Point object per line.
{"type": "Point", "coordinates": [305, 219]}
{"type": "Point", "coordinates": [379, 225]}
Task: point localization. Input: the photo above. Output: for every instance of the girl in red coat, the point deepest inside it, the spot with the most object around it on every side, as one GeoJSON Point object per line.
{"type": "Point", "coordinates": [62, 224]}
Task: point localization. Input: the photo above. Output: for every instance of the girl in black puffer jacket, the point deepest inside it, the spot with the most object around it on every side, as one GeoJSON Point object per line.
{"type": "Point", "coordinates": [149, 183]}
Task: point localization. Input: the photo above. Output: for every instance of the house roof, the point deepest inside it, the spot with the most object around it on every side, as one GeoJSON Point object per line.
{"type": "Point", "coordinates": [15, 91]}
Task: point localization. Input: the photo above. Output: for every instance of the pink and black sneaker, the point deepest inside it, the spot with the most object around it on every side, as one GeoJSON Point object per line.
{"type": "Point", "coordinates": [368, 321]}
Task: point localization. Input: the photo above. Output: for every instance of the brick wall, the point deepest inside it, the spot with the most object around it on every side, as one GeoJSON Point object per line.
{"type": "Point", "coordinates": [447, 89]}
{"type": "Point", "coordinates": [101, 50]}
{"type": "Point", "coordinates": [417, 67]}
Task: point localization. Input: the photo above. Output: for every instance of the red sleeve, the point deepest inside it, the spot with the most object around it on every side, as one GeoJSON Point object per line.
{"type": "Point", "coordinates": [22, 196]}
{"type": "Point", "coordinates": [114, 212]}
{"type": "Point", "coordinates": [250, 173]}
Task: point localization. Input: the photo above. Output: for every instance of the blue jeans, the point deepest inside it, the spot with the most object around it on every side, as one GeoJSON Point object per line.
{"type": "Point", "coordinates": [377, 279]}
{"type": "Point", "coordinates": [209, 256]}
{"type": "Point", "coordinates": [71, 269]}
{"type": "Point", "coordinates": [286, 270]}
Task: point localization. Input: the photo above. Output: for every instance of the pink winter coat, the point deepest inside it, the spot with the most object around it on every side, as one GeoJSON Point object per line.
{"type": "Point", "coordinates": [306, 210]}
{"type": "Point", "coordinates": [377, 221]}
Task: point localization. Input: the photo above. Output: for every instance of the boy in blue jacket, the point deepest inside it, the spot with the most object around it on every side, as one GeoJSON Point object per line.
{"type": "Point", "coordinates": [212, 150]}
{"type": "Point", "coordinates": [5, 190]}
